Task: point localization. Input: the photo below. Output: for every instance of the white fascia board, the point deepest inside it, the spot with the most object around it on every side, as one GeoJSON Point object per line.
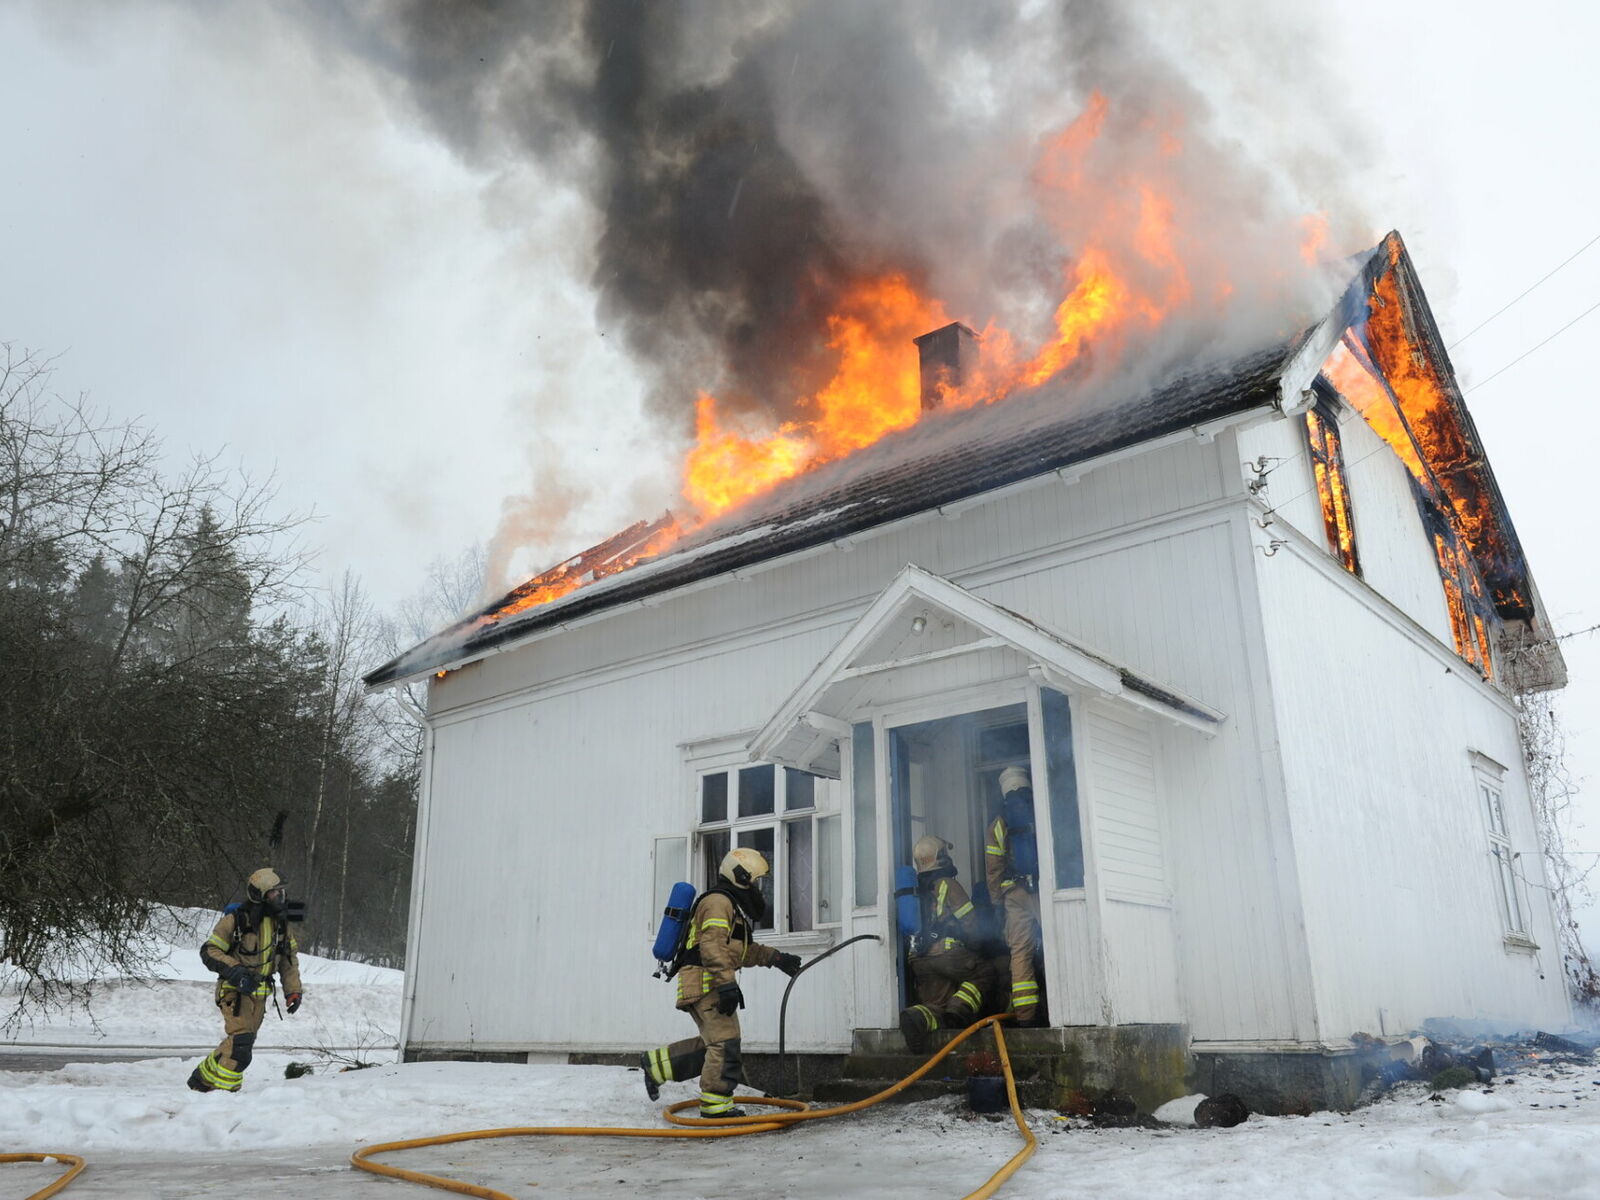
{"type": "Point", "coordinates": [1295, 396]}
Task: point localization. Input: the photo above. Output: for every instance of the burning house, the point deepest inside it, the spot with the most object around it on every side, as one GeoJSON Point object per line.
{"type": "Point", "coordinates": [1253, 627]}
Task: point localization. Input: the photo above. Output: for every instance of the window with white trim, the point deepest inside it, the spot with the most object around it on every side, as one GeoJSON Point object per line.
{"type": "Point", "coordinates": [1513, 914]}
{"type": "Point", "coordinates": [792, 817]}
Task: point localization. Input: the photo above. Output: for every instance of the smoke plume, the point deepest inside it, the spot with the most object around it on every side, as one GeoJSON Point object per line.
{"type": "Point", "coordinates": [755, 169]}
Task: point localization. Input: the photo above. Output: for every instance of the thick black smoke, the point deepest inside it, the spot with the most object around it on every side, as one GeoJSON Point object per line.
{"type": "Point", "coordinates": [748, 162]}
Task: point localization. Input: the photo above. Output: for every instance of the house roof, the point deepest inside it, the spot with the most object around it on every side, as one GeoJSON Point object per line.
{"type": "Point", "coordinates": [951, 458]}
{"type": "Point", "coordinates": [945, 459]}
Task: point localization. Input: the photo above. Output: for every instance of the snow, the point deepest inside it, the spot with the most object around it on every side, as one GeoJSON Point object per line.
{"type": "Point", "coordinates": [347, 1004]}
{"type": "Point", "coordinates": [1532, 1134]}
{"type": "Point", "coordinates": [1537, 1134]}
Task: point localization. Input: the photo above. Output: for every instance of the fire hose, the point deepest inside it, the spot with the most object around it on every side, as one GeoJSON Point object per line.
{"type": "Point", "coordinates": [76, 1165]}
{"type": "Point", "coordinates": [791, 1112]}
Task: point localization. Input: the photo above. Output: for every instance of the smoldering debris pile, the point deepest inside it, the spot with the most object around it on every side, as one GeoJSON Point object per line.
{"type": "Point", "coordinates": [1450, 1054]}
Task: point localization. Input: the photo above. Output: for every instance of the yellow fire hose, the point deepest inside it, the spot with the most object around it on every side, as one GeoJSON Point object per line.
{"type": "Point", "coordinates": [77, 1165]}
{"type": "Point", "coordinates": [795, 1112]}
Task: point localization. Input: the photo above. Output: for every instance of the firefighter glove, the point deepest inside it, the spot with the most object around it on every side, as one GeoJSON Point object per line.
{"type": "Point", "coordinates": [729, 997]}
{"type": "Point", "coordinates": [789, 964]}
{"type": "Point", "coordinates": [292, 1001]}
{"type": "Point", "coordinates": [242, 978]}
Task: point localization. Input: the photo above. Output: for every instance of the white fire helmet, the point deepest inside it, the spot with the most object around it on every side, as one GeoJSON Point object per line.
{"type": "Point", "coordinates": [743, 866]}
{"type": "Point", "coordinates": [1013, 778]}
{"type": "Point", "coordinates": [930, 853]}
{"type": "Point", "coordinates": [262, 882]}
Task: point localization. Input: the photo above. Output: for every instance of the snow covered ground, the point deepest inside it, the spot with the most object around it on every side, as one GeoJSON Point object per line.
{"type": "Point", "coordinates": [1532, 1134]}
{"type": "Point", "coordinates": [346, 1004]}
{"type": "Point", "coordinates": [1536, 1134]}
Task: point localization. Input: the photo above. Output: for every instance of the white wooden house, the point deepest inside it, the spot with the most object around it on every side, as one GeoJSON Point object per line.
{"type": "Point", "coordinates": [1258, 660]}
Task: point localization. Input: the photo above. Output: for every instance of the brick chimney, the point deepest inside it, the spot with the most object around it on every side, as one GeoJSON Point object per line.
{"type": "Point", "coordinates": [948, 357]}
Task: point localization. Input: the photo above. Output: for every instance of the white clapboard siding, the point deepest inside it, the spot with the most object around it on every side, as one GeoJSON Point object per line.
{"type": "Point", "coordinates": [1377, 721]}
{"type": "Point", "coordinates": [1127, 823]}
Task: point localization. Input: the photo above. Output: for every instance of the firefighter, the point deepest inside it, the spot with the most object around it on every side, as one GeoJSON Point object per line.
{"type": "Point", "coordinates": [951, 980]}
{"type": "Point", "coordinates": [1011, 867]}
{"type": "Point", "coordinates": [250, 945]}
{"type": "Point", "coordinates": [718, 944]}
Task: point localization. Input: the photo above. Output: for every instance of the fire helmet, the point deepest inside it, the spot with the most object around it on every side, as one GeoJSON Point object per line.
{"type": "Point", "coordinates": [742, 866]}
{"type": "Point", "coordinates": [1013, 778]}
{"type": "Point", "coordinates": [931, 854]}
{"type": "Point", "coordinates": [262, 886]}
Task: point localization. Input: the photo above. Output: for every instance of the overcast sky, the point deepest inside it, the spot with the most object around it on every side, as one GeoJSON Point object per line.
{"type": "Point", "coordinates": [239, 238]}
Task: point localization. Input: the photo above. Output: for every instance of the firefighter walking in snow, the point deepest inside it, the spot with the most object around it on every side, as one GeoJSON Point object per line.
{"type": "Point", "coordinates": [250, 945]}
{"type": "Point", "coordinates": [1011, 869]}
{"type": "Point", "coordinates": [951, 980]}
{"type": "Point", "coordinates": [719, 943]}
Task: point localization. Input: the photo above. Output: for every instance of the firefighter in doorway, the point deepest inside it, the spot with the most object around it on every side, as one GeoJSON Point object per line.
{"type": "Point", "coordinates": [249, 946]}
{"type": "Point", "coordinates": [718, 943]}
{"type": "Point", "coordinates": [951, 980]}
{"type": "Point", "coordinates": [1011, 863]}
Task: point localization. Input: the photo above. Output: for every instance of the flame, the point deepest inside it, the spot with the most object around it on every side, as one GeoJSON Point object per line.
{"type": "Point", "coordinates": [1314, 237]}
{"type": "Point", "coordinates": [1127, 273]}
{"type": "Point", "coordinates": [1133, 252]}
{"type": "Point", "coordinates": [875, 389]}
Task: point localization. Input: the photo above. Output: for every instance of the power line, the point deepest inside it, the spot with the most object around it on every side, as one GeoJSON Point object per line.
{"type": "Point", "coordinates": [1531, 349]}
{"type": "Point", "coordinates": [1532, 288]}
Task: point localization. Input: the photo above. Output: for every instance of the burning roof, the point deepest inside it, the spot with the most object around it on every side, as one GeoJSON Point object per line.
{"type": "Point", "coordinates": [1383, 352]}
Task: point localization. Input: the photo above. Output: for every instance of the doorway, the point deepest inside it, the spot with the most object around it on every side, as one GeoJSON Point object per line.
{"type": "Point", "coordinates": [944, 780]}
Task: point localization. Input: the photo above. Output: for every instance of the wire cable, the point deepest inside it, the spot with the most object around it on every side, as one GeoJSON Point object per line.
{"type": "Point", "coordinates": [1529, 290]}
{"type": "Point", "coordinates": [1531, 349]}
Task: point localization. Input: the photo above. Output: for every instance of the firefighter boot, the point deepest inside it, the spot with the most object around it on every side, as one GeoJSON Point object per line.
{"type": "Point", "coordinates": [651, 1087]}
{"type": "Point", "coordinates": [197, 1082]}
{"type": "Point", "coordinates": [917, 1024]}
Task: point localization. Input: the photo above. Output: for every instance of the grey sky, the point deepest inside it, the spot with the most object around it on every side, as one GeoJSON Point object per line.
{"type": "Point", "coordinates": [243, 240]}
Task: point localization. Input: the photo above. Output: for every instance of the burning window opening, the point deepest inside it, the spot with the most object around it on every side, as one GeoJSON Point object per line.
{"type": "Point", "coordinates": [1327, 463]}
{"type": "Point", "coordinates": [1386, 367]}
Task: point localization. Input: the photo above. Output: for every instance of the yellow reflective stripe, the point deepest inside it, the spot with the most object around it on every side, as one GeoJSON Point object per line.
{"type": "Point", "coordinates": [218, 1075]}
{"type": "Point", "coordinates": [993, 850]}
{"type": "Point", "coordinates": [939, 899]}
{"type": "Point", "coordinates": [711, 1103]}
{"type": "Point", "coordinates": [219, 943]}
{"type": "Point", "coordinates": [661, 1065]}
{"type": "Point", "coordinates": [715, 923]}
{"type": "Point", "coordinates": [964, 910]}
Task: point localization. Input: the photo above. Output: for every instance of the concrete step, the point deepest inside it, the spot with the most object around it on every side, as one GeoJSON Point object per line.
{"type": "Point", "coordinates": [898, 1066]}
{"type": "Point", "coordinates": [1032, 1093]}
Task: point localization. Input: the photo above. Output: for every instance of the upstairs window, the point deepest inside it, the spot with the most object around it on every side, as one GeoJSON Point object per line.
{"type": "Point", "coordinates": [1513, 914]}
{"type": "Point", "coordinates": [792, 818]}
{"type": "Point", "coordinates": [1327, 464]}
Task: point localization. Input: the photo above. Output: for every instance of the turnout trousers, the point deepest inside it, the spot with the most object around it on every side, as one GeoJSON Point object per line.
{"type": "Point", "coordinates": [954, 984]}
{"type": "Point", "coordinates": [1022, 938]}
{"type": "Point", "coordinates": [223, 1068]}
{"type": "Point", "coordinates": [715, 1055]}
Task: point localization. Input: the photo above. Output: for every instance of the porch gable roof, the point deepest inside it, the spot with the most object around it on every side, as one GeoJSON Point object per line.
{"type": "Point", "coordinates": [806, 729]}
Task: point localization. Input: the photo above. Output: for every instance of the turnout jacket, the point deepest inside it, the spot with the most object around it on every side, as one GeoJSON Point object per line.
{"type": "Point", "coordinates": [248, 937]}
{"type": "Point", "coordinates": [998, 872]}
{"type": "Point", "coordinates": [947, 915]}
{"type": "Point", "coordinates": [719, 943]}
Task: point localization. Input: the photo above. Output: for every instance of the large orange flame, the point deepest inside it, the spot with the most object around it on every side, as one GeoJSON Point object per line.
{"type": "Point", "coordinates": [1131, 256]}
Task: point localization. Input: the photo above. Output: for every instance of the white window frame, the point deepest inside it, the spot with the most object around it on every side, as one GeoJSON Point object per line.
{"type": "Point", "coordinates": [1489, 795]}
{"type": "Point", "coordinates": [825, 807]}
